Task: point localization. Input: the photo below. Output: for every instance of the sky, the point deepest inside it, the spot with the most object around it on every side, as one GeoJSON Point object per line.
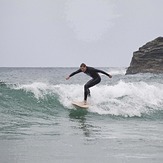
{"type": "Point", "coordinates": [66, 33]}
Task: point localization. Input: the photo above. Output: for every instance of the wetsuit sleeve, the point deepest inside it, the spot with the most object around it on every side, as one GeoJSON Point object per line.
{"type": "Point", "coordinates": [74, 73]}
{"type": "Point", "coordinates": [103, 72]}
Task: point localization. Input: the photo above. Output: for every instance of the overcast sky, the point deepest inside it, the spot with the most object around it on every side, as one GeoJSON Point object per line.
{"type": "Point", "coordinates": [65, 33]}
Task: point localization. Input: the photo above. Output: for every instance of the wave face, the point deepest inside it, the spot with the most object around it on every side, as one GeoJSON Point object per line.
{"type": "Point", "coordinates": [38, 122]}
{"type": "Point", "coordinates": [126, 99]}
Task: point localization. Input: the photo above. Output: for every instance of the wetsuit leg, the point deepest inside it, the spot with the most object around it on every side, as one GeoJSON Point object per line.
{"type": "Point", "coordinates": [88, 92]}
{"type": "Point", "coordinates": [89, 84]}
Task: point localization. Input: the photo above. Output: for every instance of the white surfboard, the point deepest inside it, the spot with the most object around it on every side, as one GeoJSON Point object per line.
{"type": "Point", "coordinates": [80, 105]}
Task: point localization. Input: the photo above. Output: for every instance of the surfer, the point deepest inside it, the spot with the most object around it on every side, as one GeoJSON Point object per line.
{"type": "Point", "coordinates": [92, 72]}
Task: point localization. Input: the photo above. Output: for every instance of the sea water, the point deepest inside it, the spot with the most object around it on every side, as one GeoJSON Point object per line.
{"type": "Point", "coordinates": [38, 124]}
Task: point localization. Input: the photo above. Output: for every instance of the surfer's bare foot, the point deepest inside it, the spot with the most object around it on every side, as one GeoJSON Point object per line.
{"type": "Point", "coordinates": [85, 102]}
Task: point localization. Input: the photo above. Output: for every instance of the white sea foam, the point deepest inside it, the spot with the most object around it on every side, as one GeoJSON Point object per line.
{"type": "Point", "coordinates": [125, 99]}
{"type": "Point", "coordinates": [117, 71]}
{"type": "Point", "coordinates": [37, 88]}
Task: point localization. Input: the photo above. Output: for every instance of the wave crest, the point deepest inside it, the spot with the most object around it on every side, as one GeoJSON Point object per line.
{"type": "Point", "coordinates": [123, 99]}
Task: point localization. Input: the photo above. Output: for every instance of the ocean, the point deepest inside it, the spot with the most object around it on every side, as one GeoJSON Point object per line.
{"type": "Point", "coordinates": [38, 124]}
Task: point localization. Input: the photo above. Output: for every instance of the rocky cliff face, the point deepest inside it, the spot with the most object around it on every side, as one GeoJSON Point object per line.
{"type": "Point", "coordinates": [148, 59]}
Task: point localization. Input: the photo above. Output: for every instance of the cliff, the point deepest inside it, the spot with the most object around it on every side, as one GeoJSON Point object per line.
{"type": "Point", "coordinates": [148, 59]}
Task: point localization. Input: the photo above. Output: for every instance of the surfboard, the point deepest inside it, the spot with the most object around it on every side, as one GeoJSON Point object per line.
{"type": "Point", "coordinates": [80, 105]}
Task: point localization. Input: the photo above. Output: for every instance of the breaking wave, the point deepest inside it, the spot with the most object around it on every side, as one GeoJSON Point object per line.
{"type": "Point", "coordinates": [127, 99]}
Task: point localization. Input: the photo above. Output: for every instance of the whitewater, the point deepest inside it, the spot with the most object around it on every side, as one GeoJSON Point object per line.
{"type": "Point", "coordinates": [38, 123]}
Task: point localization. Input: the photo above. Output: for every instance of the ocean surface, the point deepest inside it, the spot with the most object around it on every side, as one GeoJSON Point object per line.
{"type": "Point", "coordinates": [38, 124]}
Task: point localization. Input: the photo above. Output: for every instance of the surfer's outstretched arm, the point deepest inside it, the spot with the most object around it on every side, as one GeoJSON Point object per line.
{"type": "Point", "coordinates": [103, 72]}
{"type": "Point", "coordinates": [74, 73]}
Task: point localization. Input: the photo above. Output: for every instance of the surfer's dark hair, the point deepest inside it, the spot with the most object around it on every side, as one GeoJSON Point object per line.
{"type": "Point", "coordinates": [83, 65]}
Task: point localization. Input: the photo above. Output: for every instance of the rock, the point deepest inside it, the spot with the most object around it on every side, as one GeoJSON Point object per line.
{"type": "Point", "coordinates": [148, 59]}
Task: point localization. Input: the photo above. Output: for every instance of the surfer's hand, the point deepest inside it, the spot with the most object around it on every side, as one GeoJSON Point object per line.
{"type": "Point", "coordinates": [67, 78]}
{"type": "Point", "coordinates": [110, 76]}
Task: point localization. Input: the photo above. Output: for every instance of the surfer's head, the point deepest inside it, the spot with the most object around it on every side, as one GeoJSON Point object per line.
{"type": "Point", "coordinates": [83, 67]}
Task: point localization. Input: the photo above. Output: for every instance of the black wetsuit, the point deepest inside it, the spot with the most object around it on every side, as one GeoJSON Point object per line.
{"type": "Point", "coordinates": [92, 72]}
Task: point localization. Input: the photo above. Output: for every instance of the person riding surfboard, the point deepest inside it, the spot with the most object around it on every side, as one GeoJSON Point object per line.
{"type": "Point", "coordinates": [92, 72]}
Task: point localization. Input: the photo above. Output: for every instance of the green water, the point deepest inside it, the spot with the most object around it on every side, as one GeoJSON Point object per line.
{"type": "Point", "coordinates": [38, 123]}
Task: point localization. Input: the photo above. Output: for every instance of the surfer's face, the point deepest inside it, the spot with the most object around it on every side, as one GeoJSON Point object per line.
{"type": "Point", "coordinates": [83, 68]}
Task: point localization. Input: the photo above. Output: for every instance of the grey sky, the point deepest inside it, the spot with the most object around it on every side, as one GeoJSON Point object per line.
{"type": "Point", "coordinates": [52, 33]}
